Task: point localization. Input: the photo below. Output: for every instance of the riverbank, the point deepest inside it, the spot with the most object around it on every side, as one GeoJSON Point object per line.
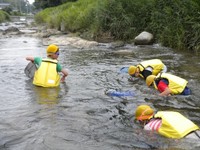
{"type": "Point", "coordinates": [49, 36]}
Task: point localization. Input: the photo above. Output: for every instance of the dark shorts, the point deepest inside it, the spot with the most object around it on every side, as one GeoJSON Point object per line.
{"type": "Point", "coordinates": [186, 91]}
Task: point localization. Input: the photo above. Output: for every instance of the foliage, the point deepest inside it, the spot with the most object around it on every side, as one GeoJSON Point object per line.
{"type": "Point", "coordinates": [50, 3]}
{"type": "Point", "coordinates": [51, 16]}
{"type": "Point", "coordinates": [172, 22]}
{"type": "Point", "coordinates": [4, 16]}
{"type": "Point", "coordinates": [7, 9]}
{"type": "Point", "coordinates": [79, 15]}
{"type": "Point", "coordinates": [120, 19]}
{"type": "Point", "coordinates": [74, 16]}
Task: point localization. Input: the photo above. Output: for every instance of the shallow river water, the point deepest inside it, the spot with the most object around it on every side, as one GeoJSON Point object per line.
{"type": "Point", "coordinates": [79, 115]}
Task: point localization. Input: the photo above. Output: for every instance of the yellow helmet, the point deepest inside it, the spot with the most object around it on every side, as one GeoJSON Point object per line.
{"type": "Point", "coordinates": [51, 49]}
{"type": "Point", "coordinates": [150, 79]}
{"type": "Point", "coordinates": [143, 112]}
{"type": "Point", "coordinates": [131, 70]}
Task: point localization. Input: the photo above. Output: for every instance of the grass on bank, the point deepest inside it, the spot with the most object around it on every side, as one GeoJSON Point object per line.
{"type": "Point", "coordinates": [4, 16]}
{"type": "Point", "coordinates": [174, 24]}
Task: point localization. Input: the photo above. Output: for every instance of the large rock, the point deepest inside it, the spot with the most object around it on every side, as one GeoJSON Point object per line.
{"type": "Point", "coordinates": [12, 31]}
{"type": "Point", "coordinates": [144, 38]}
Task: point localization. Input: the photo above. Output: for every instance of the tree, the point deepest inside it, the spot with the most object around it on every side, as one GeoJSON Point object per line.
{"type": "Point", "coordinates": [7, 9]}
{"type": "Point", "coordinates": [17, 5]}
{"type": "Point", "coordinates": [49, 3]}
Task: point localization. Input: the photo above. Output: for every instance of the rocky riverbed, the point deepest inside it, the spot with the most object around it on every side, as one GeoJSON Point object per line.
{"type": "Point", "coordinates": [49, 36]}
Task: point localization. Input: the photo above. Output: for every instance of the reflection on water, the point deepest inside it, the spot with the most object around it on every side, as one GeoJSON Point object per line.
{"type": "Point", "coordinates": [78, 114]}
{"type": "Point", "coordinates": [46, 95]}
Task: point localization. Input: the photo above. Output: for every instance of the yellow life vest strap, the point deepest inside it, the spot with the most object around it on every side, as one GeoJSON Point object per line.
{"type": "Point", "coordinates": [141, 65]}
{"type": "Point", "coordinates": [49, 60]}
{"type": "Point", "coordinates": [141, 68]}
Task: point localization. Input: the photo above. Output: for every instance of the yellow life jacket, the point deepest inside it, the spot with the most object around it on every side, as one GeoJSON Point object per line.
{"type": "Point", "coordinates": [47, 75]}
{"type": "Point", "coordinates": [176, 84]}
{"type": "Point", "coordinates": [174, 124]}
{"type": "Point", "coordinates": [156, 65]}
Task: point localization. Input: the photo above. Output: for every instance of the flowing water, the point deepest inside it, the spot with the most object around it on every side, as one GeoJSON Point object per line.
{"type": "Point", "coordinates": [78, 114]}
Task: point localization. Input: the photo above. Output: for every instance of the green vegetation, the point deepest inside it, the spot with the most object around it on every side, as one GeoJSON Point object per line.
{"type": "Point", "coordinates": [4, 16]}
{"type": "Point", "coordinates": [174, 24]}
{"type": "Point", "coordinates": [49, 3]}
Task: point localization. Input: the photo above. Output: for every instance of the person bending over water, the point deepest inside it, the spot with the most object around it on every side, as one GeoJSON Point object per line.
{"type": "Point", "coordinates": [170, 124]}
{"type": "Point", "coordinates": [168, 84]}
{"type": "Point", "coordinates": [146, 68]}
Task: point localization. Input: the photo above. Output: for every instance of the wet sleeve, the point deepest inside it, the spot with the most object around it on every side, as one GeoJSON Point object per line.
{"type": "Point", "coordinates": [59, 67]}
{"type": "Point", "coordinates": [37, 61]}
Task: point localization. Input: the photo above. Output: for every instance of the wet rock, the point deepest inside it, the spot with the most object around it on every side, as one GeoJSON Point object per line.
{"type": "Point", "coordinates": [81, 43]}
{"type": "Point", "coordinates": [117, 44]}
{"type": "Point", "coordinates": [4, 24]}
{"type": "Point", "coordinates": [144, 38]}
{"type": "Point", "coordinates": [124, 52]}
{"type": "Point", "coordinates": [12, 31]}
{"type": "Point", "coordinates": [50, 32]}
{"type": "Point", "coordinates": [71, 41]}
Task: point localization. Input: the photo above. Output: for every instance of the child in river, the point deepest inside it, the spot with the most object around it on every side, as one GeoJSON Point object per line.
{"type": "Point", "coordinates": [168, 84]}
{"type": "Point", "coordinates": [167, 123]}
{"type": "Point", "coordinates": [47, 73]}
{"type": "Point", "coordinates": [146, 68]}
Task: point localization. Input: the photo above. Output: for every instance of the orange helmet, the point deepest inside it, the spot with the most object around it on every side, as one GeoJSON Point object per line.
{"type": "Point", "coordinates": [143, 112]}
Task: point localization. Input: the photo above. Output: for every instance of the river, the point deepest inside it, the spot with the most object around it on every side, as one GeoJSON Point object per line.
{"type": "Point", "coordinates": [78, 114]}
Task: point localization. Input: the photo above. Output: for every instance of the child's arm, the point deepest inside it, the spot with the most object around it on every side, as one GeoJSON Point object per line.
{"type": "Point", "coordinates": [30, 58]}
{"type": "Point", "coordinates": [65, 73]}
{"type": "Point", "coordinates": [166, 92]}
{"type": "Point", "coordinates": [163, 89]}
